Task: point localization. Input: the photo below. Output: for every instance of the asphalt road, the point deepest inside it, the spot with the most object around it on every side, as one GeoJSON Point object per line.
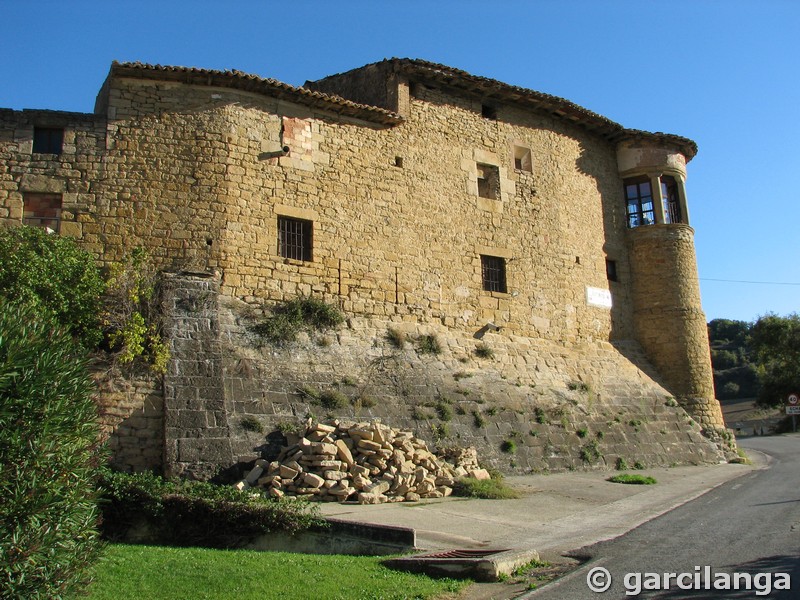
{"type": "Point", "coordinates": [749, 526]}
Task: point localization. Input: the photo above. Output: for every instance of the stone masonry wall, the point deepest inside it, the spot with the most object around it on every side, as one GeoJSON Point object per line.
{"type": "Point", "coordinates": [74, 173]}
{"type": "Point", "coordinates": [194, 173]}
{"type": "Point", "coordinates": [531, 406]}
{"type": "Point", "coordinates": [670, 321]}
{"type": "Point", "coordinates": [180, 169]}
{"type": "Point", "coordinates": [131, 409]}
{"type": "Point", "coordinates": [196, 430]}
{"type": "Point", "coordinates": [211, 201]}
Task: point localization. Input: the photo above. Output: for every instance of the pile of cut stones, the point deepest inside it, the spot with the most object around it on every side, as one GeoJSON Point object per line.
{"type": "Point", "coordinates": [366, 463]}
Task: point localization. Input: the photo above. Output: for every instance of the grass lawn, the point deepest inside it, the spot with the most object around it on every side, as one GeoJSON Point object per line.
{"type": "Point", "coordinates": [162, 573]}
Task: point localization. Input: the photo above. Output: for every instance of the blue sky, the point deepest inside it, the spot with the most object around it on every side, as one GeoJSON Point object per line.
{"type": "Point", "coordinates": [723, 73]}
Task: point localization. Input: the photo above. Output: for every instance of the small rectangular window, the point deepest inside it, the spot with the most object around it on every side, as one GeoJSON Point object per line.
{"type": "Point", "coordinates": [42, 210]}
{"type": "Point", "coordinates": [493, 271]}
{"type": "Point", "coordinates": [48, 140]}
{"type": "Point", "coordinates": [611, 270]}
{"type": "Point", "coordinates": [522, 159]}
{"type": "Point", "coordinates": [488, 182]}
{"type": "Point", "coordinates": [295, 238]}
{"type": "Point", "coordinates": [488, 112]}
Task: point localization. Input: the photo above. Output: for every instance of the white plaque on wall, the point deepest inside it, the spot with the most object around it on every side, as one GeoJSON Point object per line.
{"type": "Point", "coordinates": [598, 297]}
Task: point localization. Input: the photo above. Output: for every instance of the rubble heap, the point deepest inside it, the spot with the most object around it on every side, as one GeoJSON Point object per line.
{"type": "Point", "coordinates": [368, 463]}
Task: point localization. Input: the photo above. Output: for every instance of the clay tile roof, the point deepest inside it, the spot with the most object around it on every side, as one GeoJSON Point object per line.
{"type": "Point", "coordinates": [560, 107]}
{"type": "Point", "coordinates": [252, 83]}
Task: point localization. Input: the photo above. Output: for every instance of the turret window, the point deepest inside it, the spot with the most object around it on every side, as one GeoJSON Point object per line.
{"type": "Point", "coordinates": [672, 204]}
{"type": "Point", "coordinates": [655, 199]}
{"type": "Point", "coordinates": [639, 201]}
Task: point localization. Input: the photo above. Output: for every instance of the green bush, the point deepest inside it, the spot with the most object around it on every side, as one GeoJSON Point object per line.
{"type": "Point", "coordinates": [51, 273]}
{"type": "Point", "coordinates": [301, 314]}
{"type": "Point", "coordinates": [444, 410]}
{"type": "Point", "coordinates": [429, 344]}
{"type": "Point", "coordinates": [193, 513]}
{"type": "Point", "coordinates": [508, 446]}
{"type": "Point", "coordinates": [484, 351]}
{"type": "Point", "coordinates": [251, 424]}
{"type": "Point", "coordinates": [490, 489]}
{"type": "Point", "coordinates": [590, 452]}
{"type": "Point", "coordinates": [632, 479]}
{"type": "Point", "coordinates": [331, 399]}
{"type": "Point", "coordinates": [49, 456]}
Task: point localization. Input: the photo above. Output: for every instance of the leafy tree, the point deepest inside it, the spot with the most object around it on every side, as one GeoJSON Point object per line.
{"type": "Point", "coordinates": [49, 457]}
{"type": "Point", "coordinates": [728, 333]}
{"type": "Point", "coordinates": [51, 273]}
{"type": "Point", "coordinates": [724, 359]}
{"type": "Point", "coordinates": [734, 371]}
{"type": "Point", "coordinates": [775, 343]}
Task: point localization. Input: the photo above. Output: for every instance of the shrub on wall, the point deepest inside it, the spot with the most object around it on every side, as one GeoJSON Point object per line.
{"type": "Point", "coordinates": [53, 274]}
{"type": "Point", "coordinates": [49, 455]}
{"type": "Point", "coordinates": [301, 314]}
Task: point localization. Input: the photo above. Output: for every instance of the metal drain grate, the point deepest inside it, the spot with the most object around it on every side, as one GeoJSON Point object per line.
{"type": "Point", "coordinates": [481, 565]}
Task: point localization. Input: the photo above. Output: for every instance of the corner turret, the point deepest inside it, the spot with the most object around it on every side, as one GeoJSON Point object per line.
{"type": "Point", "coordinates": [668, 316]}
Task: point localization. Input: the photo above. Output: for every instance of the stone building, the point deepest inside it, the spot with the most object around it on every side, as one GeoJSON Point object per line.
{"type": "Point", "coordinates": [420, 200]}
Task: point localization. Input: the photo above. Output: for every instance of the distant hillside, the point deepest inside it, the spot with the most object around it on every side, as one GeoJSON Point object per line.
{"type": "Point", "coordinates": [734, 373]}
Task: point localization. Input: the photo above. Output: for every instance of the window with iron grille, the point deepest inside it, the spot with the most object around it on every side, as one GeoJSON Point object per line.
{"type": "Point", "coordinates": [42, 210]}
{"type": "Point", "coordinates": [493, 270]}
{"type": "Point", "coordinates": [48, 140]}
{"type": "Point", "coordinates": [295, 238]}
{"type": "Point", "coordinates": [639, 202]}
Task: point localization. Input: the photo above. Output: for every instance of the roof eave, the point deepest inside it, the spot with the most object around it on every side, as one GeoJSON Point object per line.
{"type": "Point", "coordinates": [252, 83]}
{"type": "Point", "coordinates": [558, 107]}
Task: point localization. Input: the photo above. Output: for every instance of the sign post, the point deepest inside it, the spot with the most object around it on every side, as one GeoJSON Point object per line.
{"type": "Point", "coordinates": [793, 408]}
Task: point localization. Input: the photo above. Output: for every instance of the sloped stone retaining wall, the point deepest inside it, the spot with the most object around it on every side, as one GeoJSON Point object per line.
{"type": "Point", "coordinates": [531, 406]}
